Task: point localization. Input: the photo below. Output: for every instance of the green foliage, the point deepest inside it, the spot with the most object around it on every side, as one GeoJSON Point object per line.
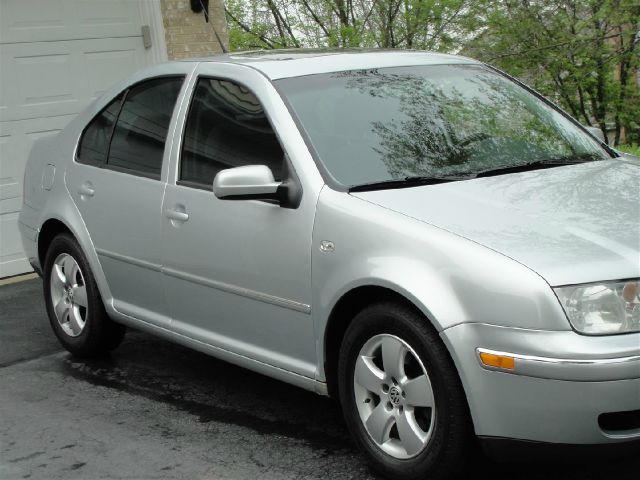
{"type": "Point", "coordinates": [633, 149]}
{"type": "Point", "coordinates": [422, 24]}
{"type": "Point", "coordinates": [583, 54]}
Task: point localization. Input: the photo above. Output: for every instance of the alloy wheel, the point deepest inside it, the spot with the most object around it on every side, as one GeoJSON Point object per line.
{"type": "Point", "coordinates": [69, 295]}
{"type": "Point", "coordinates": [394, 396]}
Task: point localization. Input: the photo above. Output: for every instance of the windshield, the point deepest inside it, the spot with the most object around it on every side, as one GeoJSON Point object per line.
{"type": "Point", "coordinates": [386, 124]}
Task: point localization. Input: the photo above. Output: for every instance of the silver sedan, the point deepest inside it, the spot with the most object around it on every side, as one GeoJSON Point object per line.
{"type": "Point", "coordinates": [418, 235]}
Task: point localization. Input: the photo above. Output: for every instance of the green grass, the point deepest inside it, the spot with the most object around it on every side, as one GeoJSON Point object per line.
{"type": "Point", "coordinates": [633, 149]}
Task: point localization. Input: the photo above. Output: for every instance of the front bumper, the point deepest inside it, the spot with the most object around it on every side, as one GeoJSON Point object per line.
{"type": "Point", "coordinates": [510, 450]}
{"type": "Point", "coordinates": [562, 389]}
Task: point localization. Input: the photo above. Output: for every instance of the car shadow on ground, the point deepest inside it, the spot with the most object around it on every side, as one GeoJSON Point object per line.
{"type": "Point", "coordinates": [216, 391]}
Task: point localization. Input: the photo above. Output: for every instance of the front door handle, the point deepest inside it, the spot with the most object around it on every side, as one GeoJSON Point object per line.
{"type": "Point", "coordinates": [86, 190]}
{"type": "Point", "coordinates": [176, 215]}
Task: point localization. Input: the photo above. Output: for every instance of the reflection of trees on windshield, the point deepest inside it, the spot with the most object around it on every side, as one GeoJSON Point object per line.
{"type": "Point", "coordinates": [460, 124]}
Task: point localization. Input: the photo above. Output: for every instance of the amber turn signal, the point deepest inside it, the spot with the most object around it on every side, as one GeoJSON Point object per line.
{"type": "Point", "coordinates": [497, 361]}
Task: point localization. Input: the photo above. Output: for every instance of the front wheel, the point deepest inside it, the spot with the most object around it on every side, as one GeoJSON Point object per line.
{"type": "Point", "coordinates": [74, 305]}
{"type": "Point", "coordinates": [401, 396]}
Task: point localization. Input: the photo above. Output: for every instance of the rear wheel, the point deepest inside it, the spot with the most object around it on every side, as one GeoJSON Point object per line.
{"type": "Point", "coordinates": [74, 305]}
{"type": "Point", "coordinates": [401, 395]}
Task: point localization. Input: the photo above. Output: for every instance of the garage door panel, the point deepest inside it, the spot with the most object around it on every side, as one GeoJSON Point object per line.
{"type": "Point", "coordinates": [16, 140]}
{"type": "Point", "coordinates": [9, 183]}
{"type": "Point", "coordinates": [107, 66]}
{"type": "Point", "coordinates": [56, 56]}
{"type": "Point", "coordinates": [38, 20]}
{"type": "Point", "coordinates": [37, 94]}
{"type": "Point", "coordinates": [13, 260]}
{"type": "Point", "coordinates": [113, 18]}
{"type": "Point", "coordinates": [37, 80]}
{"type": "Point", "coordinates": [24, 20]}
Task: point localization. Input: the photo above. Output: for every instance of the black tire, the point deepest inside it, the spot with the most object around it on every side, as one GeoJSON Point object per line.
{"type": "Point", "coordinates": [447, 450]}
{"type": "Point", "coordinates": [99, 334]}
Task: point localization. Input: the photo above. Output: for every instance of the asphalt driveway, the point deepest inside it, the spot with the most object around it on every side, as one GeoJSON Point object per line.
{"type": "Point", "coordinates": [157, 410]}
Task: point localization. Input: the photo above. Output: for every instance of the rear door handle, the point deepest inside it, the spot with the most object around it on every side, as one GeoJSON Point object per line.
{"type": "Point", "coordinates": [86, 190]}
{"type": "Point", "coordinates": [176, 215]}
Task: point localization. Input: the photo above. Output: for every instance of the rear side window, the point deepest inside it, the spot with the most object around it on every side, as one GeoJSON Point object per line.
{"type": "Point", "coordinates": [95, 141]}
{"type": "Point", "coordinates": [226, 127]}
{"type": "Point", "coordinates": [141, 129]}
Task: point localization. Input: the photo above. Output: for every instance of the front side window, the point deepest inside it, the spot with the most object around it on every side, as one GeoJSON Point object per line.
{"type": "Point", "coordinates": [141, 130]}
{"type": "Point", "coordinates": [226, 127]}
{"type": "Point", "coordinates": [94, 144]}
{"type": "Point", "coordinates": [437, 121]}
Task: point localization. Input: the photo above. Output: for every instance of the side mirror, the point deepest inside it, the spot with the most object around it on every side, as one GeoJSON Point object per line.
{"type": "Point", "coordinates": [251, 182]}
{"type": "Point", "coordinates": [596, 132]}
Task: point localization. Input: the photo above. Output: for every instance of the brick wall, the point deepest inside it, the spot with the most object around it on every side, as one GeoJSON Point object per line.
{"type": "Point", "coordinates": [186, 32]}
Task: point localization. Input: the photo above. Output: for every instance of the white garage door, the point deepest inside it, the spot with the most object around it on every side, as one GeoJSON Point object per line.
{"type": "Point", "coordinates": [55, 57]}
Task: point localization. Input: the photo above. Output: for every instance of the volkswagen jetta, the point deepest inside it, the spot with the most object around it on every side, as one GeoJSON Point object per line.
{"type": "Point", "coordinates": [418, 235]}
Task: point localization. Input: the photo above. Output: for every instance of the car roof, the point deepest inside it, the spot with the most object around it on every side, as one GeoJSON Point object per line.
{"type": "Point", "coordinates": [277, 64]}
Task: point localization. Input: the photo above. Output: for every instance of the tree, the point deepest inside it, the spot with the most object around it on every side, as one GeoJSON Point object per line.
{"type": "Point", "coordinates": [583, 53]}
{"type": "Point", "coordinates": [424, 24]}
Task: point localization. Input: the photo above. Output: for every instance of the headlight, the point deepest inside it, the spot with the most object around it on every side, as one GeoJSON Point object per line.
{"type": "Point", "coordinates": [602, 308]}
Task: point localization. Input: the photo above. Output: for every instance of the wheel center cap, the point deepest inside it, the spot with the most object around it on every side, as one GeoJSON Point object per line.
{"type": "Point", "coordinates": [395, 395]}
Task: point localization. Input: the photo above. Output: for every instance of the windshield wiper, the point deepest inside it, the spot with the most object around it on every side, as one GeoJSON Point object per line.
{"type": "Point", "coordinates": [405, 182]}
{"type": "Point", "coordinates": [536, 165]}
{"type": "Point", "coordinates": [417, 181]}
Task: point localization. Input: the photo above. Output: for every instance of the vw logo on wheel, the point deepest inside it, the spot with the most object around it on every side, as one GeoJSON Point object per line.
{"type": "Point", "coordinates": [394, 395]}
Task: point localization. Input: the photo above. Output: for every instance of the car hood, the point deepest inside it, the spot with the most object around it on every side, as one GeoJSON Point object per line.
{"type": "Point", "coordinates": [570, 224]}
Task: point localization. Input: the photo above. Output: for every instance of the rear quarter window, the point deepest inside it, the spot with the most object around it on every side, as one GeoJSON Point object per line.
{"type": "Point", "coordinates": [94, 143]}
{"type": "Point", "coordinates": [130, 133]}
